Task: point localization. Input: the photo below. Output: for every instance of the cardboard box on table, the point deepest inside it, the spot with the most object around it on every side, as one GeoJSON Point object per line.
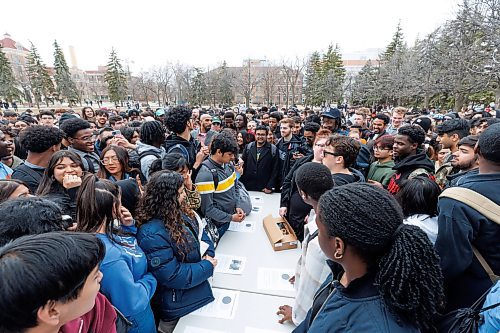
{"type": "Point", "coordinates": [279, 241]}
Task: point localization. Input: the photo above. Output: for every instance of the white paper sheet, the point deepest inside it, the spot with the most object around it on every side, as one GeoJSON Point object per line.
{"type": "Point", "coordinates": [224, 306]}
{"type": "Point", "coordinates": [256, 209]}
{"type": "Point", "coordinates": [192, 329]}
{"type": "Point", "coordinates": [258, 330]}
{"type": "Point", "coordinates": [274, 279]}
{"type": "Point", "coordinates": [243, 226]}
{"type": "Point", "coordinates": [228, 264]}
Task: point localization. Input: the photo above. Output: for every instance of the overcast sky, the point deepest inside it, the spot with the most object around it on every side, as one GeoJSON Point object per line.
{"type": "Point", "coordinates": [205, 32]}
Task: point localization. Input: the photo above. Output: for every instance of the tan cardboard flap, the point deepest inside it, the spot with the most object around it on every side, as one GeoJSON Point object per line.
{"type": "Point", "coordinates": [274, 232]}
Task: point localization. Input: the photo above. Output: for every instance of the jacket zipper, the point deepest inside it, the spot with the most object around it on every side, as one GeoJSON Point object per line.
{"type": "Point", "coordinates": [174, 298]}
{"type": "Point", "coordinates": [326, 300]}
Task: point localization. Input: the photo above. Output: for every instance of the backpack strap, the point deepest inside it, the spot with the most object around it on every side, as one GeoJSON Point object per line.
{"type": "Point", "coordinates": [183, 150]}
{"type": "Point", "coordinates": [474, 200]}
{"type": "Point", "coordinates": [213, 170]}
{"type": "Point", "coordinates": [484, 206]}
{"type": "Point", "coordinates": [90, 164]}
{"type": "Point", "coordinates": [148, 153]}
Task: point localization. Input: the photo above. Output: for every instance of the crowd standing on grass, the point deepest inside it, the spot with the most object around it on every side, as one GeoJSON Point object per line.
{"type": "Point", "coordinates": [110, 219]}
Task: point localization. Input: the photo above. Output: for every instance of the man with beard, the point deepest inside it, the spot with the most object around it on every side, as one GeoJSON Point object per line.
{"type": "Point", "coordinates": [260, 163]}
{"type": "Point", "coordinates": [379, 124]}
{"type": "Point", "coordinates": [204, 134]}
{"type": "Point", "coordinates": [450, 133]}
{"type": "Point", "coordinates": [464, 160]}
{"type": "Point", "coordinates": [310, 130]}
{"type": "Point", "coordinates": [409, 157]}
{"type": "Point", "coordinates": [290, 148]}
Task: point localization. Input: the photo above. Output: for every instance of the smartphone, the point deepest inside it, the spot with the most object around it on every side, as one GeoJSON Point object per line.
{"type": "Point", "coordinates": [115, 133]}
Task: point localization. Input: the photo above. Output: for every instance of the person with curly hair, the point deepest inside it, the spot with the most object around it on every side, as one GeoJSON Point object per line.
{"type": "Point", "coordinates": [385, 274]}
{"type": "Point", "coordinates": [409, 157]}
{"type": "Point", "coordinates": [179, 122]}
{"type": "Point", "coordinates": [41, 142]}
{"type": "Point", "coordinates": [180, 254]}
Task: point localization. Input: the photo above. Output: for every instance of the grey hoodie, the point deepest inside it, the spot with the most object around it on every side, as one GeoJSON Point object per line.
{"type": "Point", "coordinates": [147, 160]}
{"type": "Point", "coordinates": [218, 204]}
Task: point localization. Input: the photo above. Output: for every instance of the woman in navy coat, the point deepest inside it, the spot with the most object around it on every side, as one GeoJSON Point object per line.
{"type": "Point", "coordinates": [180, 254]}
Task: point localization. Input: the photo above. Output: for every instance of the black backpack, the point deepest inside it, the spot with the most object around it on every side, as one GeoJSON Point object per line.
{"type": "Point", "coordinates": [134, 160]}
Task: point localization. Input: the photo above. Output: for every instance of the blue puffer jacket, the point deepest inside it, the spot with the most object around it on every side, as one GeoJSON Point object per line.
{"type": "Point", "coordinates": [357, 308]}
{"type": "Point", "coordinates": [182, 281]}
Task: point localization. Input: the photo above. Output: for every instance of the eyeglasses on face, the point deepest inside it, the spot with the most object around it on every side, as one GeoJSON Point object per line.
{"type": "Point", "coordinates": [380, 148]}
{"type": "Point", "coordinates": [110, 160]}
{"type": "Point", "coordinates": [330, 153]}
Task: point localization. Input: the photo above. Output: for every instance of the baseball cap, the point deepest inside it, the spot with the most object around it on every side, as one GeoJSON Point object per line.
{"type": "Point", "coordinates": [423, 122]}
{"type": "Point", "coordinates": [216, 120]}
{"type": "Point", "coordinates": [332, 113]}
{"type": "Point", "coordinates": [160, 112]}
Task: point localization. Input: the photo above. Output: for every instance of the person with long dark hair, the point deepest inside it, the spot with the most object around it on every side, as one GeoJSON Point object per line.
{"type": "Point", "coordinates": [61, 180]}
{"type": "Point", "coordinates": [385, 274]}
{"type": "Point", "coordinates": [114, 164]}
{"type": "Point", "coordinates": [243, 138]}
{"type": "Point", "coordinates": [180, 253]}
{"type": "Point", "coordinates": [126, 282]}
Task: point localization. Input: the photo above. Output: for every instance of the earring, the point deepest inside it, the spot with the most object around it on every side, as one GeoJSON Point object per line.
{"type": "Point", "coordinates": [338, 255]}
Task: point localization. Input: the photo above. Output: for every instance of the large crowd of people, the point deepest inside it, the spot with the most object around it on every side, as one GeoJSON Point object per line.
{"type": "Point", "coordinates": [109, 219]}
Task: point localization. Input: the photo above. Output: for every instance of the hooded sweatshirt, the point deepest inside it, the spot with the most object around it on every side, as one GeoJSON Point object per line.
{"type": "Point", "coordinates": [381, 172]}
{"type": "Point", "coordinates": [408, 168]}
{"type": "Point", "coordinates": [147, 160]}
{"type": "Point", "coordinates": [188, 149]}
{"type": "Point", "coordinates": [355, 176]}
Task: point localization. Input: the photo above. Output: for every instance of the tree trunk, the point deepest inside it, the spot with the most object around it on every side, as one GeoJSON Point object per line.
{"type": "Point", "coordinates": [497, 96]}
{"type": "Point", "coordinates": [426, 101]}
{"type": "Point", "coordinates": [459, 102]}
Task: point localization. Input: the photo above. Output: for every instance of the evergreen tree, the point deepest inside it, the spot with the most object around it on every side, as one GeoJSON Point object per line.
{"type": "Point", "coordinates": [312, 79]}
{"type": "Point", "coordinates": [8, 89]}
{"type": "Point", "coordinates": [199, 88]}
{"type": "Point", "coordinates": [365, 86]}
{"type": "Point", "coordinates": [334, 75]}
{"type": "Point", "coordinates": [66, 88]}
{"type": "Point", "coordinates": [395, 45]}
{"type": "Point", "coordinates": [116, 78]}
{"type": "Point", "coordinates": [40, 82]}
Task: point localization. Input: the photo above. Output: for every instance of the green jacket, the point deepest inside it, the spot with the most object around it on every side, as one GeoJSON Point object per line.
{"type": "Point", "coordinates": [381, 172]}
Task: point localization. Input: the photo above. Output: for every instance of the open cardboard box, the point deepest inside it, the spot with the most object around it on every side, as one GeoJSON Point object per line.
{"type": "Point", "coordinates": [279, 241]}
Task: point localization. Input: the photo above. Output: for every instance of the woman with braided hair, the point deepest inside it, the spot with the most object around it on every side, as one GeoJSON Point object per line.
{"type": "Point", "coordinates": [385, 274]}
